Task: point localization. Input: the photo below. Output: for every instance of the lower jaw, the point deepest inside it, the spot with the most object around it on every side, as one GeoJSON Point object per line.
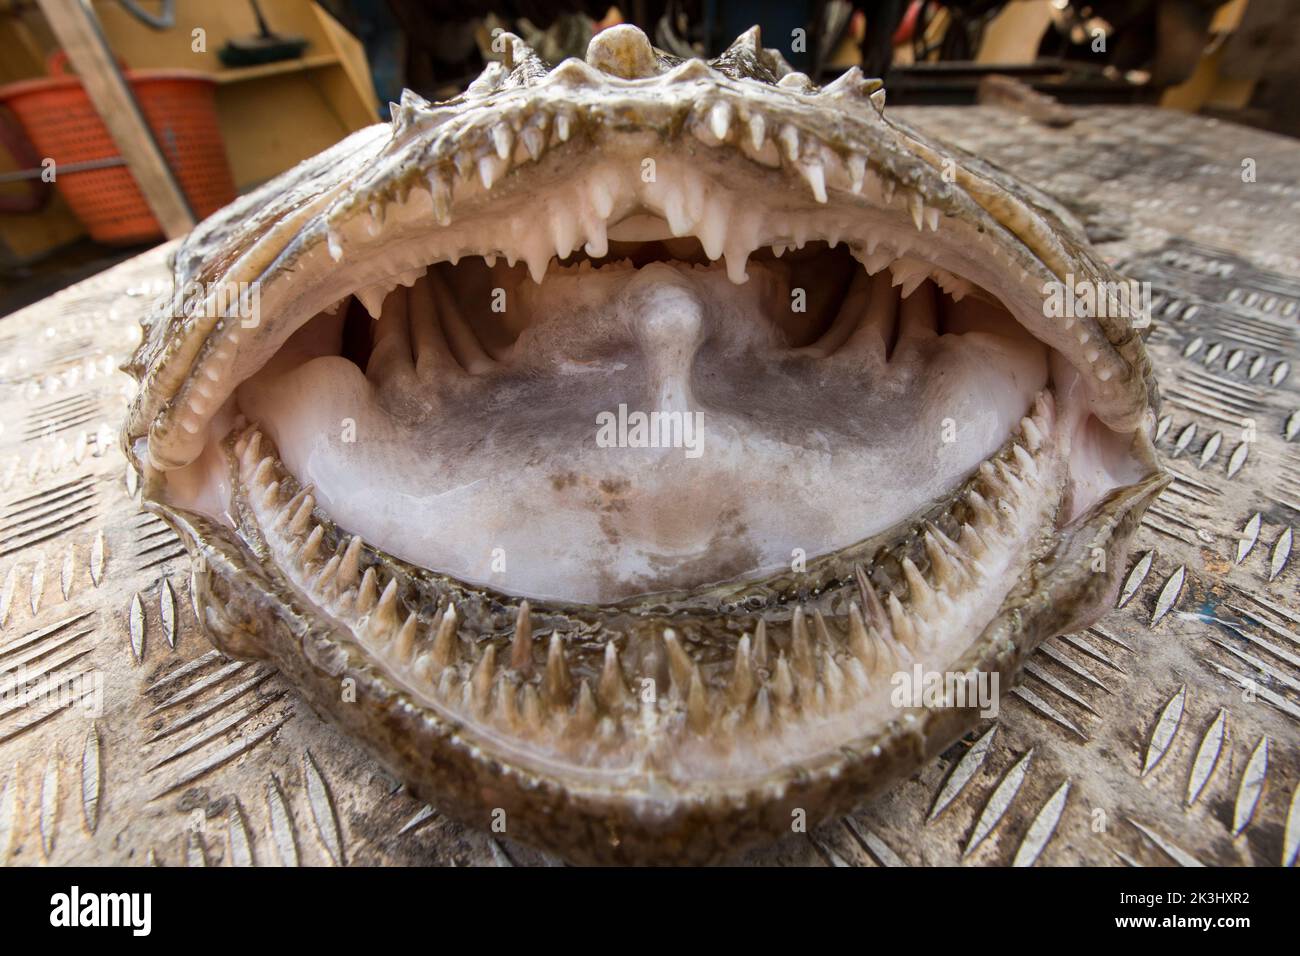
{"type": "Point", "coordinates": [591, 766]}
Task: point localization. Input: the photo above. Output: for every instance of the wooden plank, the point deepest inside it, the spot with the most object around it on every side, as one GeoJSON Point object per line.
{"type": "Point", "coordinates": [78, 32]}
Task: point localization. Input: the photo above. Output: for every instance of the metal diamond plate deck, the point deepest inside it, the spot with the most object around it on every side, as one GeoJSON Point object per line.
{"type": "Point", "coordinates": [1166, 735]}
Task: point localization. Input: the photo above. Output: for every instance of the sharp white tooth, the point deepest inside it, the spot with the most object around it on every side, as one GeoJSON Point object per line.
{"type": "Point", "coordinates": [736, 261]}
{"type": "Point", "coordinates": [888, 191]}
{"type": "Point", "coordinates": [680, 222]}
{"type": "Point", "coordinates": [789, 139]}
{"type": "Point", "coordinates": [251, 454]}
{"type": "Point", "coordinates": [1033, 437]}
{"type": "Point", "coordinates": [440, 196]}
{"type": "Point", "coordinates": [602, 201]}
{"type": "Point", "coordinates": [816, 176]}
{"type": "Point", "coordinates": [533, 141]}
{"type": "Point", "coordinates": [332, 244]}
{"type": "Point", "coordinates": [538, 259]}
{"type": "Point", "coordinates": [973, 543]}
{"type": "Point", "coordinates": [502, 140]}
{"type": "Point", "coordinates": [271, 497]}
{"type": "Point", "coordinates": [348, 567]}
{"type": "Point", "coordinates": [712, 230]}
{"type": "Point", "coordinates": [411, 277]}
{"type": "Point", "coordinates": [311, 547]}
{"type": "Point", "coordinates": [720, 119]}
{"type": "Point", "coordinates": [372, 298]}
{"type": "Point", "coordinates": [1028, 469]}
{"type": "Point", "coordinates": [490, 170]}
{"type": "Point", "coordinates": [932, 219]}
{"type": "Point", "coordinates": [916, 206]}
{"type": "Point", "coordinates": [562, 129]}
{"type": "Point", "coordinates": [857, 164]}
{"type": "Point", "coordinates": [909, 274]}
{"type": "Point", "coordinates": [464, 163]}
{"type": "Point", "coordinates": [693, 194]}
{"type": "Point", "coordinates": [563, 232]}
{"type": "Point", "coordinates": [981, 510]}
{"type": "Point", "coordinates": [264, 473]}
{"type": "Point", "coordinates": [873, 262]}
{"type": "Point", "coordinates": [490, 260]}
{"type": "Point", "coordinates": [757, 131]}
{"type": "Point", "coordinates": [373, 216]}
{"type": "Point", "coordinates": [597, 245]}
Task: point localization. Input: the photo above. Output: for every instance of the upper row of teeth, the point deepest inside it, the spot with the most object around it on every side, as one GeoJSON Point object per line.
{"type": "Point", "coordinates": [816, 670]}
{"type": "Point", "coordinates": [906, 273]}
{"type": "Point", "coordinates": [578, 217]}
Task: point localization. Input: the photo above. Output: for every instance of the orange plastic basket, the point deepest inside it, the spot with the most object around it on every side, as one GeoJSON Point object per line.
{"type": "Point", "coordinates": [180, 108]}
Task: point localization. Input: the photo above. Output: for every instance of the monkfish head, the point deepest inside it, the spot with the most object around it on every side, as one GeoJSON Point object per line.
{"type": "Point", "coordinates": [600, 446]}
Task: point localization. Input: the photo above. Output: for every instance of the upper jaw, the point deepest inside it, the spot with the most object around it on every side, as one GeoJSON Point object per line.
{"type": "Point", "coordinates": [422, 189]}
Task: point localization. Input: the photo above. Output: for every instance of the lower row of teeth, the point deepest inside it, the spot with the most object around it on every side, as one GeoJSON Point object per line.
{"type": "Point", "coordinates": [542, 687]}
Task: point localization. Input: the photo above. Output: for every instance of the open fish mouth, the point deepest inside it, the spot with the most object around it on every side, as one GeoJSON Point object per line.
{"type": "Point", "coordinates": [607, 439]}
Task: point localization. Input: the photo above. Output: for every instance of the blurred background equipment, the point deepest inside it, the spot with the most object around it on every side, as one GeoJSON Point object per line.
{"type": "Point", "coordinates": [266, 46]}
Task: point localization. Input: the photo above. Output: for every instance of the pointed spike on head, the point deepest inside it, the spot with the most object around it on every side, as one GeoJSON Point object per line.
{"type": "Point", "coordinates": [852, 83]}
{"type": "Point", "coordinates": [623, 51]}
{"type": "Point", "coordinates": [751, 42]}
{"type": "Point", "coordinates": [513, 49]}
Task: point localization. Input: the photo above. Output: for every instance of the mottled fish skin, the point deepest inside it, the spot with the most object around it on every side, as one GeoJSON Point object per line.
{"type": "Point", "coordinates": [482, 702]}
